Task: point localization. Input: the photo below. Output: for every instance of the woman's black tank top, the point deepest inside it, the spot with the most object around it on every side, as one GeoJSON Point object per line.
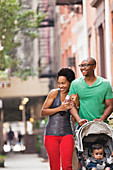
{"type": "Point", "coordinates": [59, 123]}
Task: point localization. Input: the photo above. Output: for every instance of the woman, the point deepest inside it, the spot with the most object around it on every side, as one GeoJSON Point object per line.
{"type": "Point", "coordinates": [59, 141]}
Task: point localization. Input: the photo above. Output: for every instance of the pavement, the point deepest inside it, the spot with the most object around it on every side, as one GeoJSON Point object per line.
{"type": "Point", "coordinates": [22, 161]}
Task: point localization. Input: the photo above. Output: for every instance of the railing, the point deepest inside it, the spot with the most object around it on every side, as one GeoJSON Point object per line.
{"type": "Point", "coordinates": [68, 2]}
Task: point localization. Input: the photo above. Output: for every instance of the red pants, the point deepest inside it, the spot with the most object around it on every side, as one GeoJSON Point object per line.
{"type": "Point", "coordinates": [60, 148]}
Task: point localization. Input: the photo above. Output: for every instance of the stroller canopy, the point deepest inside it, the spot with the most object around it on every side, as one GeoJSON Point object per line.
{"type": "Point", "coordinates": [92, 128]}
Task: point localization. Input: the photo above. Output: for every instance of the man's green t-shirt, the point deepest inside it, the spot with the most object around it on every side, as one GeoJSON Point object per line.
{"type": "Point", "coordinates": [92, 98]}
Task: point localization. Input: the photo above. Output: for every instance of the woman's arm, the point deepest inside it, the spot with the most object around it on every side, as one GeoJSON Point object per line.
{"type": "Point", "coordinates": [46, 110]}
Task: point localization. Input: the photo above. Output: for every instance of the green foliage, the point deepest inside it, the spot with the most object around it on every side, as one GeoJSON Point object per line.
{"type": "Point", "coordinates": [37, 124]}
{"type": "Point", "coordinates": [5, 62]}
{"type": "Point", "coordinates": [46, 120]}
{"type": "Point", "coordinates": [24, 73]}
{"type": "Point", "coordinates": [2, 157]}
{"type": "Point", "coordinates": [3, 75]}
{"type": "Point", "coordinates": [38, 143]}
{"type": "Point", "coordinates": [2, 160]}
{"type": "Point", "coordinates": [15, 19]}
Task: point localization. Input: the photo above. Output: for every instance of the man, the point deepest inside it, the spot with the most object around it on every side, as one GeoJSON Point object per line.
{"type": "Point", "coordinates": [95, 94]}
{"type": "Point", "coordinates": [11, 139]}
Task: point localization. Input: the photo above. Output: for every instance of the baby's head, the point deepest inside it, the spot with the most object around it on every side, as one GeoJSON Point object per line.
{"type": "Point", "coordinates": [97, 151]}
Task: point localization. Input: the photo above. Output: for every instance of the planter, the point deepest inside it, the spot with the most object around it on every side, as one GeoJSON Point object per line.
{"type": "Point", "coordinates": [2, 162]}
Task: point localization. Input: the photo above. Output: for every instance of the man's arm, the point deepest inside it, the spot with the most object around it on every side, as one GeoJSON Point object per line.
{"type": "Point", "coordinates": [75, 115]}
{"type": "Point", "coordinates": [108, 110]}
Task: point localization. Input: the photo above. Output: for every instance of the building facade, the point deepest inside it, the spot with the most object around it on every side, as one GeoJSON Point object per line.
{"type": "Point", "coordinates": [86, 29]}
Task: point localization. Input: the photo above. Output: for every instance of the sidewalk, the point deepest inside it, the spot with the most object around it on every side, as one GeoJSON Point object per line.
{"type": "Point", "coordinates": [18, 161]}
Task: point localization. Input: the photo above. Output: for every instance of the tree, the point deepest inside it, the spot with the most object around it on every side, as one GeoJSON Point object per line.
{"type": "Point", "coordinates": [15, 19]}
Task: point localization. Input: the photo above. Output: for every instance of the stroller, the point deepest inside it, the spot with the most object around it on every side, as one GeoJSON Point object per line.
{"type": "Point", "coordinates": [91, 133]}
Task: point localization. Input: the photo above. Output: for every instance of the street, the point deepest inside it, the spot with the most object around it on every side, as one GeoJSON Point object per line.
{"type": "Point", "coordinates": [23, 161]}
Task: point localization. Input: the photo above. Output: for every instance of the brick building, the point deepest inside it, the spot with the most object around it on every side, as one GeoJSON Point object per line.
{"type": "Point", "coordinates": [86, 29]}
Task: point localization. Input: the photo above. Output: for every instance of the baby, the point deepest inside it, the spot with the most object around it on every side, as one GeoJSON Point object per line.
{"type": "Point", "coordinates": [98, 161]}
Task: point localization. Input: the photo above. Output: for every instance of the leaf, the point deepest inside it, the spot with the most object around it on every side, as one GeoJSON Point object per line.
{"type": "Point", "coordinates": [15, 19]}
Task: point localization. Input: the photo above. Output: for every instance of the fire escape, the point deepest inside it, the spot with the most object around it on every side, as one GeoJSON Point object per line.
{"type": "Point", "coordinates": [76, 7]}
{"type": "Point", "coordinates": [68, 2]}
{"type": "Point", "coordinates": [46, 29]}
{"type": "Point", "coordinates": [45, 45]}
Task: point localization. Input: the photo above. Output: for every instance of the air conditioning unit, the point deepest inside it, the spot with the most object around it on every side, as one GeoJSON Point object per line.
{"type": "Point", "coordinates": [63, 19]}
